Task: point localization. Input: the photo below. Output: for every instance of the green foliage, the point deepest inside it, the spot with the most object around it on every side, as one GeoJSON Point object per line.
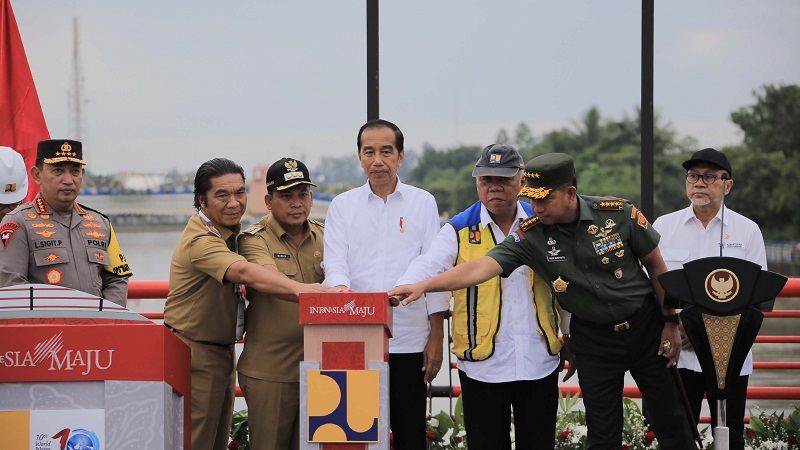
{"type": "Point", "coordinates": [771, 124]}
{"type": "Point", "coordinates": [765, 168]}
{"type": "Point", "coordinates": [571, 426]}
{"type": "Point", "coordinates": [240, 440]}
{"type": "Point", "coordinates": [773, 431]}
{"type": "Point", "coordinates": [607, 155]}
{"type": "Point", "coordinates": [444, 432]}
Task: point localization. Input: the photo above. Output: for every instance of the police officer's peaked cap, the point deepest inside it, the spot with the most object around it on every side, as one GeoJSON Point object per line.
{"type": "Point", "coordinates": [498, 160]}
{"type": "Point", "coordinates": [286, 173]}
{"type": "Point", "coordinates": [711, 156]}
{"type": "Point", "coordinates": [546, 172]}
{"type": "Point", "coordinates": [54, 151]}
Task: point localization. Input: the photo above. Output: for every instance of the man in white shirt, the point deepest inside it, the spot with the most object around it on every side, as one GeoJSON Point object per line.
{"type": "Point", "coordinates": [372, 233]}
{"type": "Point", "coordinates": [505, 330]}
{"type": "Point", "coordinates": [694, 233]}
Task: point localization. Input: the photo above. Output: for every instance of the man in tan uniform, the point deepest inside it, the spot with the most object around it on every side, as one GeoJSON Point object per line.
{"type": "Point", "coordinates": [54, 240]}
{"type": "Point", "coordinates": [204, 300]}
{"type": "Point", "coordinates": [269, 373]}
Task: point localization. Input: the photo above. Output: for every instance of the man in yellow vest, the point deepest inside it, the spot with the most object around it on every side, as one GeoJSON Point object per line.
{"type": "Point", "coordinates": [505, 330]}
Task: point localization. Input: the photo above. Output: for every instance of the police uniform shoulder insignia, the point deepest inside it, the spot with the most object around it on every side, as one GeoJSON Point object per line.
{"type": "Point", "coordinates": [609, 204]}
{"type": "Point", "coordinates": [41, 206]}
{"type": "Point", "coordinates": [6, 231]}
{"type": "Point", "coordinates": [317, 223]}
{"type": "Point", "coordinates": [254, 228]}
{"type": "Point", "coordinates": [530, 222]}
{"type": "Point", "coordinates": [87, 211]}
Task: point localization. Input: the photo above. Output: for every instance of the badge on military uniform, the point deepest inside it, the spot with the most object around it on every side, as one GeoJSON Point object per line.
{"type": "Point", "coordinates": [560, 285]}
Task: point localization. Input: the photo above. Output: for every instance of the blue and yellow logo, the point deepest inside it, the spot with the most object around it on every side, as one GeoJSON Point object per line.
{"type": "Point", "coordinates": [343, 405]}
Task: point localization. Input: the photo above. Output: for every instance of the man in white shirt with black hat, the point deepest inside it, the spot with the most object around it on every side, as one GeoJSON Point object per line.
{"type": "Point", "coordinates": [693, 233]}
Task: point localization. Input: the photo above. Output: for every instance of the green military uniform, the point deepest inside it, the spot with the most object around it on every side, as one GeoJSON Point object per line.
{"type": "Point", "coordinates": [202, 309]}
{"type": "Point", "coordinates": [594, 267]}
{"type": "Point", "coordinates": [598, 257]}
{"type": "Point", "coordinates": [269, 366]}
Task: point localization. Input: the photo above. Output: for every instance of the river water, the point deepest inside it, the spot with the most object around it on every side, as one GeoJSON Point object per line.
{"type": "Point", "coordinates": [149, 253]}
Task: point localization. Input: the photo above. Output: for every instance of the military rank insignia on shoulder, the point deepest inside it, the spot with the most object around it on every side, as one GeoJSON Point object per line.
{"type": "Point", "coordinates": [529, 223]}
{"type": "Point", "coordinates": [317, 223]}
{"type": "Point", "coordinates": [85, 210]}
{"type": "Point", "coordinates": [609, 204]}
{"type": "Point", "coordinates": [254, 228]}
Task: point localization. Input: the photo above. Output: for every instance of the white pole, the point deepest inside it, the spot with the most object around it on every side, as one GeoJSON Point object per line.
{"type": "Point", "coordinates": [721, 436]}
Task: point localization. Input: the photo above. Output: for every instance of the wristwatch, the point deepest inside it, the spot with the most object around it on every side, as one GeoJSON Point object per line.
{"type": "Point", "coordinates": [672, 318]}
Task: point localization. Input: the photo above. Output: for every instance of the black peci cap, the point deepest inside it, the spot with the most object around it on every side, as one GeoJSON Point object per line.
{"type": "Point", "coordinates": [287, 172]}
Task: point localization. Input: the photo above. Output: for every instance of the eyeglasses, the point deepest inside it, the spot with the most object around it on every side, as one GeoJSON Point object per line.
{"type": "Point", "coordinates": [8, 208]}
{"type": "Point", "coordinates": [708, 178]}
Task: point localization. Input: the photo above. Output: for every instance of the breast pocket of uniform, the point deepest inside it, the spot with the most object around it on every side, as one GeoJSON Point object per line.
{"type": "Point", "coordinates": [97, 258]}
{"type": "Point", "coordinates": [734, 252]}
{"type": "Point", "coordinates": [674, 258]}
{"type": "Point", "coordinates": [286, 266]}
{"type": "Point", "coordinates": [51, 257]}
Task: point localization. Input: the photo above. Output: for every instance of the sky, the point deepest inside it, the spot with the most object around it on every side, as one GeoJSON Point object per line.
{"type": "Point", "coordinates": [169, 84]}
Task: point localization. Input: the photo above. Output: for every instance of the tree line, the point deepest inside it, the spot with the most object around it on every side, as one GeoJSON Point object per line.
{"type": "Point", "coordinates": [607, 153]}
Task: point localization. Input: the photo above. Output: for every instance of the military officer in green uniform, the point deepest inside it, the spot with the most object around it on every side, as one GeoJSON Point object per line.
{"type": "Point", "coordinates": [55, 240]}
{"type": "Point", "coordinates": [592, 249]}
{"type": "Point", "coordinates": [269, 366]}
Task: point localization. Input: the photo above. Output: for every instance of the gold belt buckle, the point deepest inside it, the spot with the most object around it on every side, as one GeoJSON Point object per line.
{"type": "Point", "coordinates": [624, 326]}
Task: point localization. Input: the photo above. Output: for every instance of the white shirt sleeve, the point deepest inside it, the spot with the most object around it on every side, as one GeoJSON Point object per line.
{"type": "Point", "coordinates": [756, 250]}
{"type": "Point", "coordinates": [336, 241]}
{"type": "Point", "coordinates": [436, 301]}
{"type": "Point", "coordinates": [440, 257]}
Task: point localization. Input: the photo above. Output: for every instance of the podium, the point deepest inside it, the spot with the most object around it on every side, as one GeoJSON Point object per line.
{"type": "Point", "coordinates": [719, 296]}
{"type": "Point", "coordinates": [344, 378]}
{"type": "Point", "coordinates": [77, 371]}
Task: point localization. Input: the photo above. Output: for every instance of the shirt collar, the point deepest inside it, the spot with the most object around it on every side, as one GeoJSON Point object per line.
{"type": "Point", "coordinates": [689, 215]}
{"type": "Point", "coordinates": [224, 232]}
{"type": "Point", "coordinates": [585, 209]}
{"type": "Point", "coordinates": [486, 218]}
{"type": "Point", "coordinates": [398, 190]}
{"type": "Point", "coordinates": [279, 231]}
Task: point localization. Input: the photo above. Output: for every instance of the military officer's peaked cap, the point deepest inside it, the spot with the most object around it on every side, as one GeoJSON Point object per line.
{"type": "Point", "coordinates": [546, 172]}
{"type": "Point", "coordinates": [711, 156]}
{"type": "Point", "coordinates": [54, 151]}
{"type": "Point", "coordinates": [287, 172]}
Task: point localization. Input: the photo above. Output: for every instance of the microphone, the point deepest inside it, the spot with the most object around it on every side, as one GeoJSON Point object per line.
{"type": "Point", "coordinates": [724, 178]}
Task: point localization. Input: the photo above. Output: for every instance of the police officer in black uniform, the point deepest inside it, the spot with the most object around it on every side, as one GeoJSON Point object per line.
{"type": "Point", "coordinates": [592, 250]}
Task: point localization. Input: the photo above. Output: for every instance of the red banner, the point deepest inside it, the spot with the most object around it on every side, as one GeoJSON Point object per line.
{"type": "Point", "coordinates": [92, 352]}
{"type": "Point", "coordinates": [22, 123]}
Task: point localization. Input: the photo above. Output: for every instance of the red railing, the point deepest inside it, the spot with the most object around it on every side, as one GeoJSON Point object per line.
{"type": "Point", "coordinates": [158, 289]}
